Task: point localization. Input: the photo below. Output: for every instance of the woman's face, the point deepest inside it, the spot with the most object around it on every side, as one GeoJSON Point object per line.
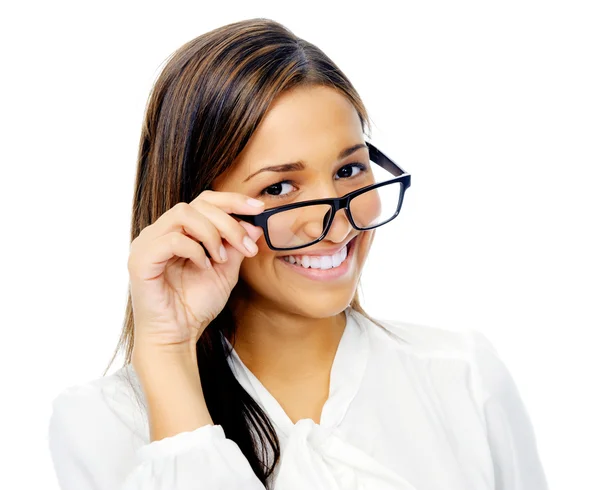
{"type": "Point", "coordinates": [312, 125]}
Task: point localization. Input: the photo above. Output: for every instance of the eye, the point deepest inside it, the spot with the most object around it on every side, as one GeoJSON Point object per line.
{"type": "Point", "coordinates": [347, 171]}
{"type": "Point", "coordinates": [278, 189]}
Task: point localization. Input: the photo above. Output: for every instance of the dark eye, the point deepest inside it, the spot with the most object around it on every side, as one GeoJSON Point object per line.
{"type": "Point", "coordinates": [277, 189]}
{"type": "Point", "coordinates": [347, 171]}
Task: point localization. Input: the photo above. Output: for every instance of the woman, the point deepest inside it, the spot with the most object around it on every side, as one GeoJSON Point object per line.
{"type": "Point", "coordinates": [249, 360]}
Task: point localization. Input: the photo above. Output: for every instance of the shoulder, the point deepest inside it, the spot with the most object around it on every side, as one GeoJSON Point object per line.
{"type": "Point", "coordinates": [469, 346]}
{"type": "Point", "coordinates": [96, 430]}
{"type": "Point", "coordinates": [109, 405]}
{"type": "Point", "coordinates": [419, 339]}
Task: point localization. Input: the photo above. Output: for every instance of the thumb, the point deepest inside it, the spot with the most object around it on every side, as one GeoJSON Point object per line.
{"type": "Point", "coordinates": [255, 232]}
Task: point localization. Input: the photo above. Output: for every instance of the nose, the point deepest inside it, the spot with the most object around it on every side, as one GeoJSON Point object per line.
{"type": "Point", "coordinates": [340, 228]}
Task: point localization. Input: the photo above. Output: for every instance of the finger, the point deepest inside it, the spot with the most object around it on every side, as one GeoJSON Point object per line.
{"type": "Point", "coordinates": [229, 228]}
{"type": "Point", "coordinates": [185, 219]}
{"type": "Point", "coordinates": [209, 225]}
{"type": "Point", "coordinates": [231, 202]}
{"type": "Point", "coordinates": [235, 257]}
{"type": "Point", "coordinates": [150, 262]}
{"type": "Point", "coordinates": [254, 232]}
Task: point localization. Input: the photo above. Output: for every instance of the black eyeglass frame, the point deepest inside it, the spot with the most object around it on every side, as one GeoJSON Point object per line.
{"type": "Point", "coordinates": [337, 203]}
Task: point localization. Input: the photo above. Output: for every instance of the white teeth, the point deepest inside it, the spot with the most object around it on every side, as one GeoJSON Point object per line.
{"type": "Point", "coordinates": [326, 262]}
{"type": "Point", "coordinates": [318, 261]}
{"type": "Point", "coordinates": [336, 260]}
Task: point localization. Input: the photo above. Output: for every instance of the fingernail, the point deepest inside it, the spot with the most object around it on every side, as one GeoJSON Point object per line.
{"type": "Point", "coordinates": [223, 253]}
{"type": "Point", "coordinates": [250, 245]}
{"type": "Point", "coordinates": [255, 202]}
{"type": "Point", "coordinates": [208, 265]}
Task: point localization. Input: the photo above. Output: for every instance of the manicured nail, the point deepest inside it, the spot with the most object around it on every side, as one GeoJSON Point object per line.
{"type": "Point", "coordinates": [223, 253]}
{"type": "Point", "coordinates": [250, 245]}
{"type": "Point", "coordinates": [255, 202]}
{"type": "Point", "coordinates": [208, 264]}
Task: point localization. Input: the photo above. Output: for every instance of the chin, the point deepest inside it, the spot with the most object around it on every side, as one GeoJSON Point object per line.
{"type": "Point", "coordinates": [322, 305]}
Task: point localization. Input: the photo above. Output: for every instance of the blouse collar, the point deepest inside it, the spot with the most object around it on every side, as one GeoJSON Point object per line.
{"type": "Point", "coordinates": [347, 371]}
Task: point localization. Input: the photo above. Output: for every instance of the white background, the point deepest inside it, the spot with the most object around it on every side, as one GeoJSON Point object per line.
{"type": "Point", "coordinates": [494, 109]}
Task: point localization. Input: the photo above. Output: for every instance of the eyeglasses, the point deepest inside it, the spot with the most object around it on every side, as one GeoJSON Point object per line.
{"type": "Point", "coordinates": [294, 226]}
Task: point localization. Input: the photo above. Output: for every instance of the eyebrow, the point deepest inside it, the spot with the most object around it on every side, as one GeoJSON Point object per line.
{"type": "Point", "coordinates": [300, 165]}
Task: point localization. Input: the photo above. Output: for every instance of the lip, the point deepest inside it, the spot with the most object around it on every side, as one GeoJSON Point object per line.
{"type": "Point", "coordinates": [320, 251]}
{"type": "Point", "coordinates": [335, 273]}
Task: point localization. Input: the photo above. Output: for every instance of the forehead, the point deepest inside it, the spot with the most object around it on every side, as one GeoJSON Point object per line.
{"type": "Point", "coordinates": [306, 123]}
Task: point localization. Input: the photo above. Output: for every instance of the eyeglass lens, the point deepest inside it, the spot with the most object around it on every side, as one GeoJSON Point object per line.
{"type": "Point", "coordinates": [300, 226]}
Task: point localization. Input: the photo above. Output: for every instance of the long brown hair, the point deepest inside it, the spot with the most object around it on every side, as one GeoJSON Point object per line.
{"type": "Point", "coordinates": [204, 106]}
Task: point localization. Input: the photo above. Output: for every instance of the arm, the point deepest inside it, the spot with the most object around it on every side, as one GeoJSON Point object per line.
{"type": "Point", "coordinates": [511, 435]}
{"type": "Point", "coordinates": [99, 446]}
{"type": "Point", "coordinates": [171, 384]}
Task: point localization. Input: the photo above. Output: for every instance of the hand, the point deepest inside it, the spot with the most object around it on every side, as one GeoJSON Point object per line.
{"type": "Point", "coordinates": [176, 290]}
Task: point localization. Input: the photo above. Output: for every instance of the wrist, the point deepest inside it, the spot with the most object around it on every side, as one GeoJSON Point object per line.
{"type": "Point", "coordinates": [144, 348]}
{"type": "Point", "coordinates": [152, 357]}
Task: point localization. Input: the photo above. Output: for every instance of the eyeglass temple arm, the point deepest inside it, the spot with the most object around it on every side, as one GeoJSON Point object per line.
{"type": "Point", "coordinates": [383, 161]}
{"type": "Point", "coordinates": [248, 218]}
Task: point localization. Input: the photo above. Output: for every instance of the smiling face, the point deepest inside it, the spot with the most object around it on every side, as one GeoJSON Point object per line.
{"type": "Point", "coordinates": [314, 136]}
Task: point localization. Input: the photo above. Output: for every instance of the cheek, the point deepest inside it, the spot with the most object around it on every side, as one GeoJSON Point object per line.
{"type": "Point", "coordinates": [263, 248]}
{"type": "Point", "coordinates": [365, 245]}
{"type": "Point", "coordinates": [366, 209]}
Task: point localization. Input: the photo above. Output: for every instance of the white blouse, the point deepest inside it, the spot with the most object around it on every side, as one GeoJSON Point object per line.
{"type": "Point", "coordinates": [410, 407]}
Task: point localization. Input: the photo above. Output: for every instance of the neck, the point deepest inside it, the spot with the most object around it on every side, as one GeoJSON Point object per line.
{"type": "Point", "coordinates": [285, 347]}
